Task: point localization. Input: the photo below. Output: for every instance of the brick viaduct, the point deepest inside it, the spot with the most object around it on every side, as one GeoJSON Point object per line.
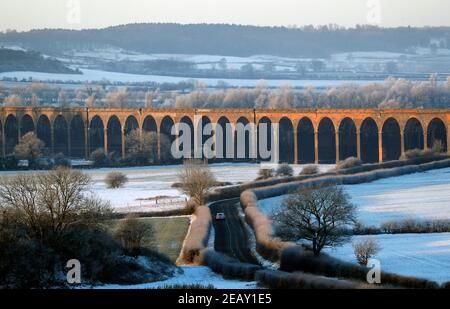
{"type": "Point", "coordinates": [321, 136]}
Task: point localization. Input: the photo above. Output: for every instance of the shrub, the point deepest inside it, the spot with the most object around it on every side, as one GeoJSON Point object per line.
{"type": "Point", "coordinates": [365, 249]}
{"type": "Point", "coordinates": [285, 170]}
{"type": "Point", "coordinates": [11, 162]}
{"type": "Point", "coordinates": [131, 232]}
{"type": "Point", "coordinates": [423, 153]}
{"type": "Point", "coordinates": [438, 147]}
{"type": "Point", "coordinates": [229, 267]}
{"type": "Point", "coordinates": [265, 173]}
{"type": "Point", "coordinates": [296, 258]}
{"type": "Point", "coordinates": [99, 158]}
{"type": "Point", "coordinates": [414, 226]}
{"type": "Point", "coordinates": [348, 163]}
{"type": "Point", "coordinates": [116, 180]}
{"type": "Point", "coordinates": [284, 280]}
{"type": "Point", "coordinates": [310, 170]}
{"type": "Point", "coordinates": [61, 161]}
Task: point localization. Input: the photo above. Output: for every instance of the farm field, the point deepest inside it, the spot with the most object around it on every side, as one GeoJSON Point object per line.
{"type": "Point", "coordinates": [169, 234]}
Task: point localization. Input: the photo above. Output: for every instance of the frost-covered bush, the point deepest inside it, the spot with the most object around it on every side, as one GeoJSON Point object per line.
{"type": "Point", "coordinates": [116, 180]}
{"type": "Point", "coordinates": [310, 170]}
{"type": "Point", "coordinates": [265, 173]}
{"type": "Point", "coordinates": [348, 163]}
{"type": "Point", "coordinates": [285, 170]}
{"type": "Point", "coordinates": [365, 249]}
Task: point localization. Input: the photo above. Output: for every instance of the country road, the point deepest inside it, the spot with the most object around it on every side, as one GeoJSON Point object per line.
{"type": "Point", "coordinates": [230, 235]}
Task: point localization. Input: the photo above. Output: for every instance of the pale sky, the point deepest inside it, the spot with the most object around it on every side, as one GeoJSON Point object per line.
{"type": "Point", "coordinates": [80, 14]}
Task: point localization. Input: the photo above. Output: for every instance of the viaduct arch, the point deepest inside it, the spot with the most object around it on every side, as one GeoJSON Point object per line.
{"type": "Point", "coordinates": [305, 136]}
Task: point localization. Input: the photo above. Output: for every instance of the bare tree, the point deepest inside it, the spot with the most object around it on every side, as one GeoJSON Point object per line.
{"type": "Point", "coordinates": [118, 98]}
{"type": "Point", "coordinates": [196, 179]}
{"type": "Point", "coordinates": [317, 215]}
{"type": "Point", "coordinates": [13, 100]}
{"type": "Point", "coordinates": [48, 204]}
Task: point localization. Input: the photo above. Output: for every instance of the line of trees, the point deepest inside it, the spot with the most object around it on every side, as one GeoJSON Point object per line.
{"type": "Point", "coordinates": [392, 93]}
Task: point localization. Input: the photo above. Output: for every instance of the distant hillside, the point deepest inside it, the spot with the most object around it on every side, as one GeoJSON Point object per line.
{"type": "Point", "coordinates": [233, 40]}
{"type": "Point", "coordinates": [17, 60]}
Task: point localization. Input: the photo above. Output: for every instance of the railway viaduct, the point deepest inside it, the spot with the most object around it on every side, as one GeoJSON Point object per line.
{"type": "Point", "coordinates": [305, 136]}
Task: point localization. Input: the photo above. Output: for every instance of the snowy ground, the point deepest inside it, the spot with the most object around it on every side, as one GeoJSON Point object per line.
{"type": "Point", "coordinates": [149, 182]}
{"type": "Point", "coordinates": [98, 76]}
{"type": "Point", "coordinates": [420, 255]}
{"type": "Point", "coordinates": [418, 196]}
{"type": "Point", "coordinates": [191, 275]}
{"type": "Point", "coordinates": [421, 196]}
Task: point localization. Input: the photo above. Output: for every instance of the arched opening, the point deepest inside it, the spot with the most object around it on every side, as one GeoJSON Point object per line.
{"type": "Point", "coordinates": [391, 140]}
{"type": "Point", "coordinates": [150, 124]}
{"type": "Point", "coordinates": [305, 136]}
{"type": "Point", "coordinates": [205, 121]}
{"type": "Point", "coordinates": [26, 125]}
{"type": "Point", "coordinates": [96, 134]}
{"type": "Point", "coordinates": [265, 128]}
{"type": "Point", "coordinates": [77, 137]}
{"type": "Point", "coordinates": [44, 133]}
{"type": "Point", "coordinates": [188, 122]}
{"type": "Point", "coordinates": [242, 140]}
{"type": "Point", "coordinates": [414, 138]}
{"type": "Point", "coordinates": [347, 139]}
{"type": "Point", "coordinates": [114, 136]}
{"type": "Point", "coordinates": [437, 132]}
{"type": "Point", "coordinates": [131, 124]}
{"type": "Point", "coordinates": [11, 133]}
{"type": "Point", "coordinates": [286, 141]}
{"type": "Point", "coordinates": [369, 141]}
{"type": "Point", "coordinates": [166, 138]}
{"type": "Point", "coordinates": [327, 141]}
{"type": "Point", "coordinates": [60, 135]}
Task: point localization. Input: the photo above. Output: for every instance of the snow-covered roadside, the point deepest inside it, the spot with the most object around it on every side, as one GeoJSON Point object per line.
{"type": "Point", "coordinates": [420, 255]}
{"type": "Point", "coordinates": [201, 275]}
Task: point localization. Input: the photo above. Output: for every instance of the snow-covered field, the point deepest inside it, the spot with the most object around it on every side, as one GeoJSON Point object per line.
{"type": "Point", "coordinates": [152, 181]}
{"type": "Point", "coordinates": [98, 76]}
{"type": "Point", "coordinates": [420, 255]}
{"type": "Point", "coordinates": [191, 275]}
{"type": "Point", "coordinates": [421, 196]}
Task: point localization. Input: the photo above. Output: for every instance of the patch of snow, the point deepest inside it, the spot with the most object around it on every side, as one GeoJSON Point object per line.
{"type": "Point", "coordinates": [420, 255]}
{"type": "Point", "coordinates": [191, 275]}
{"type": "Point", "coordinates": [420, 196]}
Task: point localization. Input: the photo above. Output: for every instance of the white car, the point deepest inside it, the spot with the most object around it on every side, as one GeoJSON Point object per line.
{"type": "Point", "coordinates": [220, 216]}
